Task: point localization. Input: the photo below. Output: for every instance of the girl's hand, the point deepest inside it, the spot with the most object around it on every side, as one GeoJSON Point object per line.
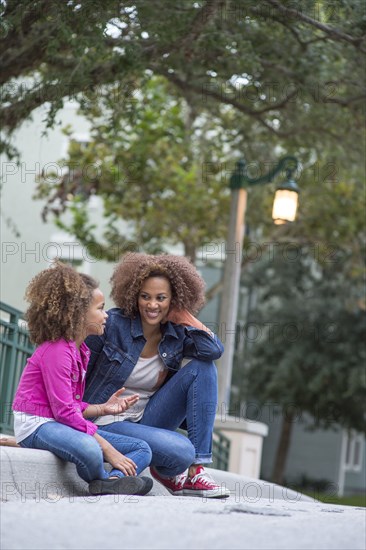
{"type": "Point", "coordinates": [116, 405]}
{"type": "Point", "coordinates": [115, 458]}
{"type": "Point", "coordinates": [119, 461]}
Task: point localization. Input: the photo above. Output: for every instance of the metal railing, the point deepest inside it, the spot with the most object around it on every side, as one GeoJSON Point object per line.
{"type": "Point", "coordinates": [15, 348]}
{"type": "Point", "coordinates": [220, 451]}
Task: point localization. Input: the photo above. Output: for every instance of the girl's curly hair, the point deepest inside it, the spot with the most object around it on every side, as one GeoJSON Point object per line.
{"type": "Point", "coordinates": [59, 299]}
{"type": "Point", "coordinates": [186, 283]}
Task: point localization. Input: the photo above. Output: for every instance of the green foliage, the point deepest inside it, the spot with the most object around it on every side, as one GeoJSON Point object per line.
{"type": "Point", "coordinates": [350, 500]}
{"type": "Point", "coordinates": [267, 78]}
{"type": "Point", "coordinates": [290, 70]}
{"type": "Point", "coordinates": [151, 167]}
{"type": "Point", "coordinates": [311, 354]}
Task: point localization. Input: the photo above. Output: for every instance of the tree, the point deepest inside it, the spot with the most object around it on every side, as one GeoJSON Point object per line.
{"type": "Point", "coordinates": [153, 166]}
{"type": "Point", "coordinates": [278, 77]}
{"type": "Point", "coordinates": [311, 353]}
{"type": "Point", "coordinates": [292, 70]}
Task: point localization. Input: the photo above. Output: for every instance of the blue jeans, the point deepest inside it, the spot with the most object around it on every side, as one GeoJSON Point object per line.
{"type": "Point", "coordinates": [84, 450]}
{"type": "Point", "coordinates": [190, 395]}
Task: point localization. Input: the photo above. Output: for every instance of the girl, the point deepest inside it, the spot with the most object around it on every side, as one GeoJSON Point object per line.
{"type": "Point", "coordinates": [154, 345]}
{"type": "Point", "coordinates": [49, 412]}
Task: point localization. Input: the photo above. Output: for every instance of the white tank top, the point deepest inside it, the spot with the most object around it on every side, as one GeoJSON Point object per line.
{"type": "Point", "coordinates": [145, 379]}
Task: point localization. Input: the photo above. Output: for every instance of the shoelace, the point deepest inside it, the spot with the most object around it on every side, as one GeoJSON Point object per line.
{"type": "Point", "coordinates": [178, 480]}
{"type": "Point", "coordinates": [205, 478]}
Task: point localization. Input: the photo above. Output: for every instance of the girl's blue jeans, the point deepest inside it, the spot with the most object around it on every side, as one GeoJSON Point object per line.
{"type": "Point", "coordinates": [84, 450]}
{"type": "Point", "coordinates": [190, 395]}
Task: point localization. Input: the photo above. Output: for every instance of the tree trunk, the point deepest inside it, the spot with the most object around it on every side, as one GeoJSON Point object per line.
{"type": "Point", "coordinates": [190, 252]}
{"type": "Point", "coordinates": [283, 447]}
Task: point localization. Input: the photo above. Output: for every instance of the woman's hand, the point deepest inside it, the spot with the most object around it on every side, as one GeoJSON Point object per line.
{"type": "Point", "coordinates": [116, 405]}
{"type": "Point", "coordinates": [115, 458]}
{"type": "Point", "coordinates": [183, 317]}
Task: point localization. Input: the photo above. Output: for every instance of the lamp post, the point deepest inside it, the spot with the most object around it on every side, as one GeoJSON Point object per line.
{"type": "Point", "coordinates": [284, 210]}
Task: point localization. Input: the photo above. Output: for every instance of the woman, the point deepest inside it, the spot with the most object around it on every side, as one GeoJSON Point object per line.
{"type": "Point", "coordinates": [155, 347]}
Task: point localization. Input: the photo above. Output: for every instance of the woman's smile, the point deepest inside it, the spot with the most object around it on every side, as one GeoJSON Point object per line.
{"type": "Point", "coordinates": [154, 300]}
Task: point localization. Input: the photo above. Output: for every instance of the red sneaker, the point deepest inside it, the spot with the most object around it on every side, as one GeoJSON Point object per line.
{"type": "Point", "coordinates": [202, 485]}
{"type": "Point", "coordinates": [173, 484]}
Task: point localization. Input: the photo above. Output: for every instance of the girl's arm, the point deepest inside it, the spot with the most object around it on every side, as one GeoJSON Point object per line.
{"type": "Point", "coordinates": [58, 370]}
{"type": "Point", "coordinates": [115, 458]}
{"type": "Point", "coordinates": [114, 405]}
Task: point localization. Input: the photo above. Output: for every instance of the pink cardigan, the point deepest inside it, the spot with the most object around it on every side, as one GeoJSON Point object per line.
{"type": "Point", "coordinates": [53, 383]}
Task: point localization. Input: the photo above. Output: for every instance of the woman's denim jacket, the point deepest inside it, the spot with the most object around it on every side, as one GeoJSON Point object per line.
{"type": "Point", "coordinates": [115, 354]}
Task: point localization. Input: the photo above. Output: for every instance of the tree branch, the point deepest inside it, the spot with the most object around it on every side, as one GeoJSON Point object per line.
{"type": "Point", "coordinates": [183, 85]}
{"type": "Point", "coordinates": [332, 32]}
{"type": "Point", "coordinates": [344, 102]}
{"type": "Point", "coordinates": [200, 21]}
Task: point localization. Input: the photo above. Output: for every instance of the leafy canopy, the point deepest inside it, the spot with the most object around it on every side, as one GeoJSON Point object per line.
{"type": "Point", "coordinates": [288, 68]}
{"type": "Point", "coordinates": [310, 353]}
{"type": "Point", "coordinates": [268, 78]}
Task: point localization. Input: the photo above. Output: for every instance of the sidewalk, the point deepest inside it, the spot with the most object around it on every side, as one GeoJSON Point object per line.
{"type": "Point", "coordinates": [46, 506]}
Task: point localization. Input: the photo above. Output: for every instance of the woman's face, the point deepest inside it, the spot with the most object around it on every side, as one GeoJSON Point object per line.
{"type": "Point", "coordinates": [154, 300]}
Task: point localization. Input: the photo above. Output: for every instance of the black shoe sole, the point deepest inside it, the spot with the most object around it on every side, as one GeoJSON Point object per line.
{"type": "Point", "coordinates": [148, 485]}
{"type": "Point", "coordinates": [129, 485]}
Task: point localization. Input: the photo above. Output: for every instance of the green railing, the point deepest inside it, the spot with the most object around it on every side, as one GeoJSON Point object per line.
{"type": "Point", "coordinates": [220, 451]}
{"type": "Point", "coordinates": [15, 348]}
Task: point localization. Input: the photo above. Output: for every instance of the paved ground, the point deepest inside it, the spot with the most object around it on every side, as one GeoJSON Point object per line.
{"type": "Point", "coordinates": [39, 511]}
{"type": "Point", "coordinates": [165, 522]}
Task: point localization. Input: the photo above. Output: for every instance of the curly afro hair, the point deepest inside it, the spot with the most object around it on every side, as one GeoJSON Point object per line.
{"type": "Point", "coordinates": [187, 286]}
{"type": "Point", "coordinates": [59, 299]}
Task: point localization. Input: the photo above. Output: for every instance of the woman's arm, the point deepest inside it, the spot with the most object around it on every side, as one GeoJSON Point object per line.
{"type": "Point", "coordinates": [199, 342]}
{"type": "Point", "coordinates": [95, 345]}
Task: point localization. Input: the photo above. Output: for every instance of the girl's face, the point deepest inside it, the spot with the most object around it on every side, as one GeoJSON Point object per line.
{"type": "Point", "coordinates": [154, 301]}
{"type": "Point", "coordinates": [96, 316]}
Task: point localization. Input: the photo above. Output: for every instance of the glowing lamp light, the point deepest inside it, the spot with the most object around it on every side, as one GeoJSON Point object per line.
{"type": "Point", "coordinates": [285, 203]}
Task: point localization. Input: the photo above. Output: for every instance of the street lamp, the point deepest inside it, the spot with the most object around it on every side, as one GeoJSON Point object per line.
{"type": "Point", "coordinates": [284, 210]}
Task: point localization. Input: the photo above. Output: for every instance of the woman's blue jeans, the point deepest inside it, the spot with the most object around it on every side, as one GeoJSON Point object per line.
{"type": "Point", "coordinates": [190, 395]}
{"type": "Point", "coordinates": [84, 450]}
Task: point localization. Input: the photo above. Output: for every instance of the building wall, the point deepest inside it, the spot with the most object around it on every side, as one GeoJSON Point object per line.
{"type": "Point", "coordinates": [316, 455]}
{"type": "Point", "coordinates": [28, 244]}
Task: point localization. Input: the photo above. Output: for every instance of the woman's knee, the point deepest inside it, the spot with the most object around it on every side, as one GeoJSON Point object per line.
{"type": "Point", "coordinates": [182, 450]}
{"type": "Point", "coordinates": [144, 448]}
{"type": "Point", "coordinates": [205, 369]}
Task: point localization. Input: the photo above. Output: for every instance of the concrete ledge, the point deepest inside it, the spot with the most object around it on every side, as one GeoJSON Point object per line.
{"type": "Point", "coordinates": [32, 474]}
